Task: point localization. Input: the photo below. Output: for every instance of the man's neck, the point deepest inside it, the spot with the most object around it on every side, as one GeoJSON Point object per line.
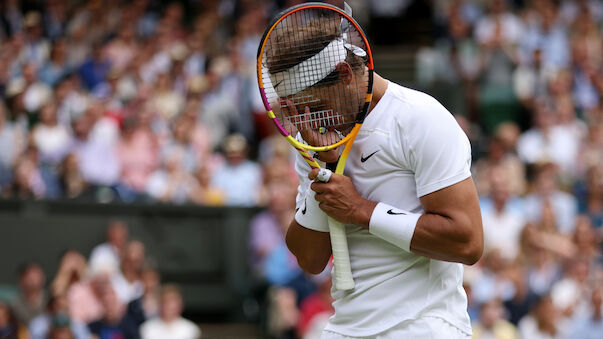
{"type": "Point", "coordinates": [379, 88]}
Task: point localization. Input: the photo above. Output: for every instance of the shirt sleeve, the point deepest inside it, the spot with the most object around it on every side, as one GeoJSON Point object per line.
{"type": "Point", "coordinates": [439, 150]}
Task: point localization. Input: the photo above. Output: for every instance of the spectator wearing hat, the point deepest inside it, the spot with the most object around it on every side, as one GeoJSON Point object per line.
{"type": "Point", "coordinates": [37, 48]}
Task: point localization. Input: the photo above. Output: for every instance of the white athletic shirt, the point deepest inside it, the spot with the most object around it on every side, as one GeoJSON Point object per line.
{"type": "Point", "coordinates": [411, 146]}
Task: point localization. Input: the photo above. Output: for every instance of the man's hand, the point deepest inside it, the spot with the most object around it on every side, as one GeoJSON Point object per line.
{"type": "Point", "coordinates": [339, 199]}
{"type": "Point", "coordinates": [308, 128]}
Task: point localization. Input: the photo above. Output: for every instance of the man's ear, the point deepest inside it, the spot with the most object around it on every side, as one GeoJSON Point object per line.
{"type": "Point", "coordinates": [345, 72]}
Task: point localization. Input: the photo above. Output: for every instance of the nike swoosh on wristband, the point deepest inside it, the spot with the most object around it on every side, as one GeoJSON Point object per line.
{"type": "Point", "coordinates": [391, 211]}
{"type": "Point", "coordinates": [363, 158]}
{"type": "Point", "coordinates": [305, 206]}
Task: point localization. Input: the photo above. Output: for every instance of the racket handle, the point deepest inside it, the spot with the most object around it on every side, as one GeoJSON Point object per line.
{"type": "Point", "coordinates": [341, 256]}
{"type": "Point", "coordinates": [339, 245]}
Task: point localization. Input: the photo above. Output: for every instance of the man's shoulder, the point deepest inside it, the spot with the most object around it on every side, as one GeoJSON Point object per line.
{"type": "Point", "coordinates": [415, 104]}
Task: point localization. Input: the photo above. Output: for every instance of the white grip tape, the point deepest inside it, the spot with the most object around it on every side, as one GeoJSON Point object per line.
{"type": "Point", "coordinates": [324, 175]}
{"type": "Point", "coordinates": [341, 256]}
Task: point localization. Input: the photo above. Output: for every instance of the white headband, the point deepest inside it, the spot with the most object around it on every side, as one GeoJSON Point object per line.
{"type": "Point", "coordinates": [310, 71]}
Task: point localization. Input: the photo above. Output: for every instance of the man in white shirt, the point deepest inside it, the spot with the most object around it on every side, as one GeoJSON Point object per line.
{"type": "Point", "coordinates": [411, 214]}
{"type": "Point", "coordinates": [108, 255]}
{"type": "Point", "coordinates": [170, 323]}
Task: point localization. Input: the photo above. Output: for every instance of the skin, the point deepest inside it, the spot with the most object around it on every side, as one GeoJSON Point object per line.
{"type": "Point", "coordinates": [450, 228]}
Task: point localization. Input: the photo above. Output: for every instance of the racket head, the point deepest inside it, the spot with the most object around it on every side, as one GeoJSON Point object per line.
{"type": "Point", "coordinates": [315, 75]}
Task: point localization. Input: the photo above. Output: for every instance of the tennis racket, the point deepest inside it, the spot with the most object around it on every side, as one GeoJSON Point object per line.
{"type": "Point", "coordinates": [315, 75]}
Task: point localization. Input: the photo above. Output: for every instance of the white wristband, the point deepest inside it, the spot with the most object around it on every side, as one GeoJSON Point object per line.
{"type": "Point", "coordinates": [393, 225]}
{"type": "Point", "coordinates": [310, 216]}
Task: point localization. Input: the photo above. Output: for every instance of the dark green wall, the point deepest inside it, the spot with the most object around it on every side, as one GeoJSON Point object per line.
{"type": "Point", "coordinates": [202, 249]}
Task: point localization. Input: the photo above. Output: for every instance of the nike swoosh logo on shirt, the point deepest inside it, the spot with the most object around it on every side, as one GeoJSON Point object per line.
{"type": "Point", "coordinates": [363, 158]}
{"type": "Point", "coordinates": [278, 83]}
{"type": "Point", "coordinates": [391, 211]}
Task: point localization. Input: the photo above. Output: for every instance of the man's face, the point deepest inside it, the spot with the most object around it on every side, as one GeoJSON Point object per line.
{"type": "Point", "coordinates": [324, 114]}
{"type": "Point", "coordinates": [171, 306]}
{"type": "Point", "coordinates": [33, 279]}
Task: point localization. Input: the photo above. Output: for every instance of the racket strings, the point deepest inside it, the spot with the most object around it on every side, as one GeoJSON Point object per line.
{"type": "Point", "coordinates": [333, 107]}
{"type": "Point", "coordinates": [317, 119]}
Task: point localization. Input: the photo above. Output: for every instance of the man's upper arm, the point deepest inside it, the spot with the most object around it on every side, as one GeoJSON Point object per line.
{"type": "Point", "coordinates": [451, 228]}
{"type": "Point", "coordinates": [456, 201]}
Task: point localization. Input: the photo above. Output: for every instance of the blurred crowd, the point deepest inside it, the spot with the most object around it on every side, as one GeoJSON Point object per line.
{"type": "Point", "coordinates": [133, 101]}
{"type": "Point", "coordinates": [145, 101]}
{"type": "Point", "coordinates": [115, 293]}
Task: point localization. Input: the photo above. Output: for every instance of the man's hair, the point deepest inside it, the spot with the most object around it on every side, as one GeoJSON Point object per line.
{"type": "Point", "coordinates": [171, 289]}
{"type": "Point", "coordinates": [313, 35]}
{"type": "Point", "coordinates": [26, 267]}
{"type": "Point", "coordinates": [283, 48]}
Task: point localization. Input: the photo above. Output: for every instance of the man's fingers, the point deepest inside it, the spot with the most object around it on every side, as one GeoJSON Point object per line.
{"type": "Point", "coordinates": [328, 156]}
{"type": "Point", "coordinates": [313, 174]}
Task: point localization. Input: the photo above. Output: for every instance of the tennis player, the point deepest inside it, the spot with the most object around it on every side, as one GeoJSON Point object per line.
{"type": "Point", "coordinates": [411, 213]}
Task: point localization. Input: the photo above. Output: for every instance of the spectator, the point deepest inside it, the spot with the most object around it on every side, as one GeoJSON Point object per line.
{"type": "Point", "coordinates": [28, 182]}
{"type": "Point", "coordinates": [502, 218]}
{"type": "Point", "coordinates": [315, 310]}
{"type": "Point", "coordinates": [498, 35]}
{"type": "Point", "coordinates": [206, 193]}
{"type": "Point", "coordinates": [542, 323]}
{"type": "Point", "coordinates": [52, 139]}
{"type": "Point", "coordinates": [524, 298]}
{"type": "Point", "coordinates": [96, 68]}
{"type": "Point", "coordinates": [492, 282]}
{"type": "Point", "coordinates": [492, 323]}
{"type": "Point", "coordinates": [546, 142]}
{"type": "Point", "coordinates": [108, 255]}
{"type": "Point", "coordinates": [32, 299]}
{"type": "Point", "coordinates": [127, 282]}
{"type": "Point", "coordinates": [37, 47]}
{"type": "Point", "coordinates": [172, 184]}
{"type": "Point", "coordinates": [84, 297]}
{"type": "Point", "coordinates": [138, 151]}
{"type": "Point", "coordinates": [96, 151]}
{"type": "Point", "coordinates": [268, 229]}
{"type": "Point", "coordinates": [115, 322]}
{"type": "Point", "coordinates": [239, 178]}
{"type": "Point", "coordinates": [55, 317]}
{"type": "Point", "coordinates": [563, 206]}
{"type": "Point", "coordinates": [147, 306]}
{"type": "Point", "coordinates": [9, 326]}
{"type": "Point", "coordinates": [591, 325]}
{"type": "Point", "coordinates": [72, 269]}
{"type": "Point", "coordinates": [571, 293]}
{"type": "Point", "coordinates": [542, 269]}
{"type": "Point", "coordinates": [170, 323]}
{"type": "Point", "coordinates": [501, 157]}
{"type": "Point", "coordinates": [10, 139]}
{"type": "Point", "coordinates": [73, 184]}
{"type": "Point", "coordinates": [57, 66]}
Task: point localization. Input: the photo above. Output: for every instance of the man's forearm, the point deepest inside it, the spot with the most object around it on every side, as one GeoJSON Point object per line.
{"type": "Point", "coordinates": [444, 238]}
{"type": "Point", "coordinates": [311, 248]}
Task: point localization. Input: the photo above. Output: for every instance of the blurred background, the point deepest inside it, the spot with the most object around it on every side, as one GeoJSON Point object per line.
{"type": "Point", "coordinates": [144, 193]}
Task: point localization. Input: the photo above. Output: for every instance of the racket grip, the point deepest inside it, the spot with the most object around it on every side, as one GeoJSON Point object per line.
{"type": "Point", "coordinates": [341, 256]}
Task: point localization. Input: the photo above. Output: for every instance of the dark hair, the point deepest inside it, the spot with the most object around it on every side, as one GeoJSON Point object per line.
{"type": "Point", "coordinates": [25, 267]}
{"type": "Point", "coordinates": [314, 34]}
